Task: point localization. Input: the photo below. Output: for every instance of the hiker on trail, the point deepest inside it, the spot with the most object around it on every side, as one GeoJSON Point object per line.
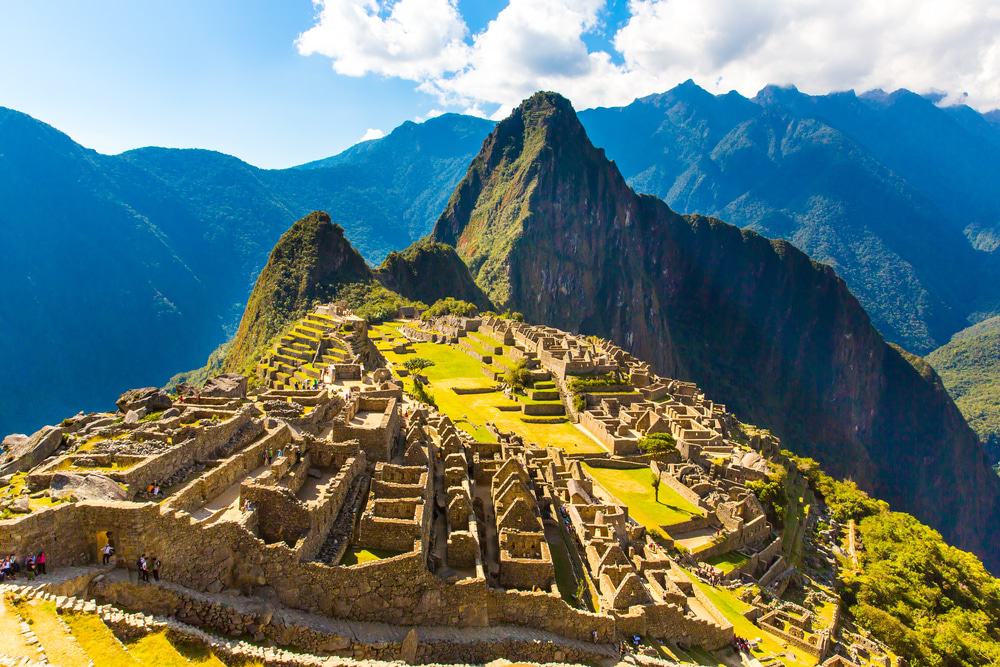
{"type": "Point", "coordinates": [106, 552]}
{"type": "Point", "coordinates": [156, 568]}
{"type": "Point", "coordinates": [40, 562]}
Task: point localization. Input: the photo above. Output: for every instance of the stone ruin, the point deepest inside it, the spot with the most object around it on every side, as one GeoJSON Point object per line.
{"type": "Point", "coordinates": [263, 496]}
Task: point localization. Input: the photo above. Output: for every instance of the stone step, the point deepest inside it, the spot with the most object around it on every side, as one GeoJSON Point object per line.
{"type": "Point", "coordinates": [17, 642]}
{"type": "Point", "coordinates": [56, 639]}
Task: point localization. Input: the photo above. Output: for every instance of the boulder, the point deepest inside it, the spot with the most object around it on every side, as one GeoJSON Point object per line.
{"type": "Point", "coordinates": [13, 440]}
{"type": "Point", "coordinates": [26, 453]}
{"type": "Point", "coordinates": [171, 413]}
{"type": "Point", "coordinates": [228, 385]}
{"type": "Point", "coordinates": [86, 487]}
{"type": "Point", "coordinates": [21, 505]}
{"type": "Point", "coordinates": [150, 398]}
{"type": "Point", "coordinates": [133, 416]}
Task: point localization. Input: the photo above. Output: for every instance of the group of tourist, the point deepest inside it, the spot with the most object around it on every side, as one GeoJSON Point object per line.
{"type": "Point", "coordinates": [153, 490]}
{"type": "Point", "coordinates": [147, 566]}
{"type": "Point", "coordinates": [31, 565]}
{"type": "Point", "coordinates": [271, 456]}
{"type": "Point", "coordinates": [307, 384]}
{"type": "Point", "coordinates": [743, 645]}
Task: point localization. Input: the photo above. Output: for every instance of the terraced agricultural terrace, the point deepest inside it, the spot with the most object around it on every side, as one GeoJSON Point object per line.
{"type": "Point", "coordinates": [496, 498]}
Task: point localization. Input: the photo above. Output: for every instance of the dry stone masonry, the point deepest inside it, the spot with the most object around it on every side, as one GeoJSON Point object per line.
{"type": "Point", "coordinates": [320, 496]}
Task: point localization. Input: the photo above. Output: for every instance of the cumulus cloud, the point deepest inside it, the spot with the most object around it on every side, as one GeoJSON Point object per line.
{"type": "Point", "coordinates": [372, 133]}
{"type": "Point", "coordinates": [924, 45]}
{"type": "Point", "coordinates": [409, 39]}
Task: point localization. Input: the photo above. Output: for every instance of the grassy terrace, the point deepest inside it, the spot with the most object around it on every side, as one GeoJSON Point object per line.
{"type": "Point", "coordinates": [454, 368]}
{"type": "Point", "coordinates": [728, 562]}
{"type": "Point", "coordinates": [733, 609]}
{"type": "Point", "coordinates": [633, 488]}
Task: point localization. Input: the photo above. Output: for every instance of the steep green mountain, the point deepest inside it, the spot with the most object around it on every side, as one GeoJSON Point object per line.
{"type": "Point", "coordinates": [310, 262]}
{"type": "Point", "coordinates": [756, 323]}
{"type": "Point", "coordinates": [124, 268]}
{"type": "Point", "coordinates": [428, 271]}
{"type": "Point", "coordinates": [887, 188]}
{"type": "Point", "coordinates": [969, 366]}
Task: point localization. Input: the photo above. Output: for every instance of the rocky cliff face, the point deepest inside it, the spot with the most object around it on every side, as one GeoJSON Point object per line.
{"type": "Point", "coordinates": [549, 227]}
{"type": "Point", "coordinates": [309, 263]}
{"type": "Point", "coordinates": [428, 271]}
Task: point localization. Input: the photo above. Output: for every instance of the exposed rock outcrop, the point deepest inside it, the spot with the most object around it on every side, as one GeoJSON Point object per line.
{"type": "Point", "coordinates": [227, 385]}
{"type": "Point", "coordinates": [28, 452]}
{"type": "Point", "coordinates": [150, 399]}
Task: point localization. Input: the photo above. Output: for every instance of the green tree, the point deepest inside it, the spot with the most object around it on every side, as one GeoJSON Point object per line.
{"type": "Point", "coordinates": [657, 443]}
{"type": "Point", "coordinates": [518, 376]}
{"type": "Point", "coordinates": [417, 364]}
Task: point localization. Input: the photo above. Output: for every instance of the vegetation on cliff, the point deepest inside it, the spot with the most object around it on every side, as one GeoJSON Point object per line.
{"type": "Point", "coordinates": [428, 271]}
{"type": "Point", "coordinates": [969, 366]}
{"type": "Point", "coordinates": [756, 323]}
{"type": "Point", "coordinates": [310, 262]}
{"type": "Point", "coordinates": [373, 301]}
{"type": "Point", "coordinates": [930, 602]}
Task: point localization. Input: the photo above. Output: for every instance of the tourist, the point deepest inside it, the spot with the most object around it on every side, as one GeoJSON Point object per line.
{"type": "Point", "coordinates": [156, 568]}
{"type": "Point", "coordinates": [143, 568]}
{"type": "Point", "coordinates": [15, 567]}
{"type": "Point", "coordinates": [29, 566]}
{"type": "Point", "coordinates": [106, 554]}
{"type": "Point", "coordinates": [40, 562]}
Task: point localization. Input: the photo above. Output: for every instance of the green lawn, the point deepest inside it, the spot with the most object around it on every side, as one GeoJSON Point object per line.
{"type": "Point", "coordinates": [633, 488]}
{"type": "Point", "coordinates": [454, 368]}
{"type": "Point", "coordinates": [728, 562]}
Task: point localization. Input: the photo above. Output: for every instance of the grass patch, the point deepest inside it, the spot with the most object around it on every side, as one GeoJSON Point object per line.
{"type": "Point", "coordinates": [59, 646]}
{"type": "Point", "coordinates": [356, 556]}
{"type": "Point", "coordinates": [727, 562]}
{"type": "Point", "coordinates": [453, 368]}
{"type": "Point", "coordinates": [633, 488]}
{"type": "Point", "coordinates": [733, 609]}
{"type": "Point", "coordinates": [160, 650]}
{"type": "Point", "coordinates": [98, 641]}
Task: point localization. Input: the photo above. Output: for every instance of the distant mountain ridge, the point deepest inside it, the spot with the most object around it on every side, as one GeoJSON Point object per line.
{"type": "Point", "coordinates": [549, 227]}
{"type": "Point", "coordinates": [157, 249]}
{"type": "Point", "coordinates": [125, 269]}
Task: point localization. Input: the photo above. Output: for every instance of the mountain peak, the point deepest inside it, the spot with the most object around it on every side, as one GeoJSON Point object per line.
{"type": "Point", "coordinates": [309, 263]}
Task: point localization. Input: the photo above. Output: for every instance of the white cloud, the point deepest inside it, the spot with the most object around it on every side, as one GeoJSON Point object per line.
{"type": "Point", "coordinates": [372, 133]}
{"type": "Point", "coordinates": [409, 39]}
{"type": "Point", "coordinates": [817, 45]}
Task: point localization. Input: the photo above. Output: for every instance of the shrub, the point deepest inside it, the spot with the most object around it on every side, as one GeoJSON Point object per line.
{"type": "Point", "coordinates": [373, 302]}
{"type": "Point", "coordinates": [657, 443]}
{"type": "Point", "coordinates": [450, 306]}
{"type": "Point", "coordinates": [582, 383]}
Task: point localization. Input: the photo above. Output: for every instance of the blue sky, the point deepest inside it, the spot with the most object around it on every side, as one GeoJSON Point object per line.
{"type": "Point", "coordinates": [234, 75]}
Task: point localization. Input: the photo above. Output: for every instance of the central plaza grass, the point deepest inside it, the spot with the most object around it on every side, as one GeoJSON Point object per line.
{"type": "Point", "coordinates": [454, 368]}
{"type": "Point", "coordinates": [633, 488]}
